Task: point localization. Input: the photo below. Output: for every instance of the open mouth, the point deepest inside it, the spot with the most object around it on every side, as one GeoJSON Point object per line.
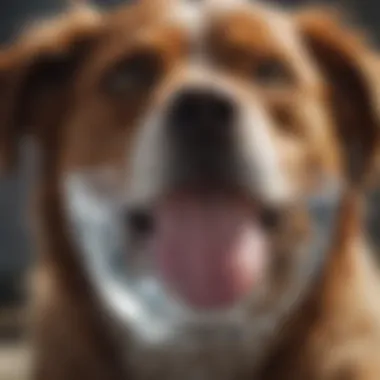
{"type": "Point", "coordinates": [195, 257]}
{"type": "Point", "coordinates": [208, 250]}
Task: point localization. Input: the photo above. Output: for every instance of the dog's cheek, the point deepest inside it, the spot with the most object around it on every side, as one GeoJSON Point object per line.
{"type": "Point", "coordinates": [294, 159]}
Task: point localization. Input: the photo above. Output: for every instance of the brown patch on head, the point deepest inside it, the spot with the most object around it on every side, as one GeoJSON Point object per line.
{"type": "Point", "coordinates": [116, 85]}
{"type": "Point", "coordinates": [263, 49]}
{"type": "Point", "coordinates": [250, 38]}
{"type": "Point", "coordinates": [57, 74]}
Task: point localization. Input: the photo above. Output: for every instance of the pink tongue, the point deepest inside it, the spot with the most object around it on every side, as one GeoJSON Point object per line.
{"type": "Point", "coordinates": [209, 252]}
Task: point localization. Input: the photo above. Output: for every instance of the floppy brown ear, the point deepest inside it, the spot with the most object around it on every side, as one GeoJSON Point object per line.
{"type": "Point", "coordinates": [35, 74]}
{"type": "Point", "coordinates": [351, 72]}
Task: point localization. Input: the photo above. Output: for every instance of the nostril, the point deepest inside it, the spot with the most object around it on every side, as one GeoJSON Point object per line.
{"type": "Point", "coordinates": [222, 111]}
{"type": "Point", "coordinates": [189, 109]}
{"type": "Point", "coordinates": [270, 218]}
{"type": "Point", "coordinates": [139, 221]}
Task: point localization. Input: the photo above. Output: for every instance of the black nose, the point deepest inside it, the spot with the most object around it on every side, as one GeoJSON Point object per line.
{"type": "Point", "coordinates": [201, 116]}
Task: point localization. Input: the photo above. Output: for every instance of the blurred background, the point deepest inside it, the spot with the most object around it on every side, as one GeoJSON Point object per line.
{"type": "Point", "coordinates": [16, 248]}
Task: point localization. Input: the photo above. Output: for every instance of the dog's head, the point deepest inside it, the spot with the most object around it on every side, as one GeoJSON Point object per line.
{"type": "Point", "coordinates": [199, 150]}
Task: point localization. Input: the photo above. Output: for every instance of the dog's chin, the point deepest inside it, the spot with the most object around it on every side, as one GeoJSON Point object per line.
{"type": "Point", "coordinates": [154, 307]}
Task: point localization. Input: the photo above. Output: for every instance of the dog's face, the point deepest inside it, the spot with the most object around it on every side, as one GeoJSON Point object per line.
{"type": "Point", "coordinates": [201, 149]}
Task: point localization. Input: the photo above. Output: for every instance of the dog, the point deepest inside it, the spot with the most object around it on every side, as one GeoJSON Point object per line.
{"type": "Point", "coordinates": [199, 203]}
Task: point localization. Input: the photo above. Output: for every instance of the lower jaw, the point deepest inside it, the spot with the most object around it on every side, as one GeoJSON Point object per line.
{"type": "Point", "coordinates": [162, 301]}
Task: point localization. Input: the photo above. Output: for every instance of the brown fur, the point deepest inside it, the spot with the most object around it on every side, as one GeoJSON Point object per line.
{"type": "Point", "coordinates": [335, 335]}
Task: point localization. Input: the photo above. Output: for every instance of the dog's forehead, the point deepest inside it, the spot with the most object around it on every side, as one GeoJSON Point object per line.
{"type": "Point", "coordinates": [194, 17]}
{"type": "Point", "coordinates": [173, 24]}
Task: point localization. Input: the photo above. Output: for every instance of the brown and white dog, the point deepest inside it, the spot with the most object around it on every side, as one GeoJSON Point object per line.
{"type": "Point", "coordinates": [200, 187]}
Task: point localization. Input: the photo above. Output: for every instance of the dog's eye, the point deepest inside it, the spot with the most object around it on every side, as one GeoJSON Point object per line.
{"type": "Point", "coordinates": [133, 75]}
{"type": "Point", "coordinates": [270, 72]}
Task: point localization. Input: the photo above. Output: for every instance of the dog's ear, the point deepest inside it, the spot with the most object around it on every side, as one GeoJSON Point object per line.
{"type": "Point", "coordinates": [35, 76]}
{"type": "Point", "coordinates": [351, 73]}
